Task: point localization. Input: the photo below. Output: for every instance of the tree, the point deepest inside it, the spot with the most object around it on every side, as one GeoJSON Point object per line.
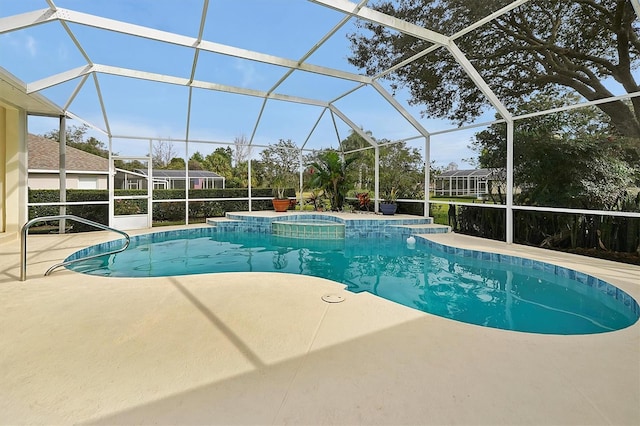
{"type": "Point", "coordinates": [566, 159]}
{"type": "Point", "coordinates": [363, 168]}
{"type": "Point", "coordinates": [163, 153]}
{"type": "Point", "coordinates": [279, 161]}
{"type": "Point", "coordinates": [76, 138]}
{"type": "Point", "coordinates": [130, 165]}
{"type": "Point", "coordinates": [219, 161]}
{"type": "Point", "coordinates": [176, 163]}
{"type": "Point", "coordinates": [196, 161]}
{"type": "Point", "coordinates": [329, 172]}
{"type": "Point", "coordinates": [240, 177]}
{"type": "Point", "coordinates": [540, 46]}
{"type": "Point", "coordinates": [241, 150]}
{"type": "Point", "coordinates": [401, 169]}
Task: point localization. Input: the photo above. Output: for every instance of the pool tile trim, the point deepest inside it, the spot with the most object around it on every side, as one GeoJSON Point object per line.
{"type": "Point", "coordinates": [361, 226]}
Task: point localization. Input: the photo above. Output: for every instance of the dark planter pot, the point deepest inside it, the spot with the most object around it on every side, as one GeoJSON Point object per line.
{"type": "Point", "coordinates": [388, 209]}
{"type": "Point", "coordinates": [280, 205]}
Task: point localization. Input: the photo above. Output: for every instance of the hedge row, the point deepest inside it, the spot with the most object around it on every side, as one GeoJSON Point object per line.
{"type": "Point", "coordinates": [162, 211]}
{"type": "Point", "coordinates": [561, 231]}
{"type": "Point", "coordinates": [96, 213]}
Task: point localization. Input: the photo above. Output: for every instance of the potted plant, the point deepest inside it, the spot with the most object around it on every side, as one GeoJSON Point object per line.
{"type": "Point", "coordinates": [281, 182]}
{"type": "Point", "coordinates": [280, 201]}
{"type": "Point", "coordinates": [388, 205]}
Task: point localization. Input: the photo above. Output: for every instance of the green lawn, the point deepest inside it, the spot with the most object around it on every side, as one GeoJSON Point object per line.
{"type": "Point", "coordinates": [440, 212]}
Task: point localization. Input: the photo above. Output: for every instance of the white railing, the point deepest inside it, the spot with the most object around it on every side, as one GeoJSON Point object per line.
{"type": "Point", "coordinates": [25, 232]}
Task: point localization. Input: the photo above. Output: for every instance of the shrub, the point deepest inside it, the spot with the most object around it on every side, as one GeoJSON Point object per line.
{"type": "Point", "coordinates": [171, 211]}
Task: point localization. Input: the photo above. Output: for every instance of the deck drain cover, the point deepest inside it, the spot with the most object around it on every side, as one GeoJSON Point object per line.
{"type": "Point", "coordinates": [332, 298]}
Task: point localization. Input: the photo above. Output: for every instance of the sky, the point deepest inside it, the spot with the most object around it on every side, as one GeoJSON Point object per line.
{"type": "Point", "coordinates": [141, 108]}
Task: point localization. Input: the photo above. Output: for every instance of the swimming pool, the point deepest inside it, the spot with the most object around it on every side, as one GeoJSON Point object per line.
{"type": "Point", "coordinates": [474, 287]}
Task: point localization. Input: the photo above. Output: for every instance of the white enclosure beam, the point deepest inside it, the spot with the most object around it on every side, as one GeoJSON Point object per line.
{"type": "Point", "coordinates": [347, 93]}
{"type": "Point", "coordinates": [509, 211]}
{"type": "Point", "coordinates": [315, 125]}
{"type": "Point", "coordinates": [636, 7]}
{"type": "Point", "coordinates": [56, 79]}
{"type": "Point", "coordinates": [394, 103]}
{"type": "Point", "coordinates": [75, 91]}
{"type": "Point", "coordinates": [478, 80]}
{"type": "Point", "coordinates": [395, 141]}
{"type": "Point", "coordinates": [283, 62]}
{"type": "Point", "coordinates": [351, 124]}
{"type": "Point", "coordinates": [83, 121]}
{"type": "Point", "coordinates": [388, 21]}
{"type": "Point", "coordinates": [579, 105]}
{"type": "Point", "coordinates": [407, 61]}
{"type": "Point", "coordinates": [314, 48]}
{"type": "Point", "coordinates": [331, 32]}
{"type": "Point", "coordinates": [376, 179]}
{"type": "Point", "coordinates": [194, 66]}
{"type": "Point", "coordinates": [25, 20]}
{"type": "Point", "coordinates": [191, 42]}
{"type": "Point", "coordinates": [427, 174]}
{"type": "Point", "coordinates": [469, 126]}
{"type": "Point", "coordinates": [163, 78]}
{"type": "Point", "coordinates": [614, 213]}
{"type": "Point", "coordinates": [255, 126]}
{"type": "Point", "coordinates": [488, 18]}
{"type": "Point", "coordinates": [188, 123]}
{"type": "Point", "coordinates": [62, 166]}
{"type": "Point", "coordinates": [101, 100]}
{"type": "Point", "coordinates": [335, 126]}
{"type": "Point", "coordinates": [76, 42]}
{"type": "Point", "coordinates": [145, 75]}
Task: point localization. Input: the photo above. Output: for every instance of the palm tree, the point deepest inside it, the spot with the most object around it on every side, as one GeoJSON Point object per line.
{"type": "Point", "coordinates": [329, 172]}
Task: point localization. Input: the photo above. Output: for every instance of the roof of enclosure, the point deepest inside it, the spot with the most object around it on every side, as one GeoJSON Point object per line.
{"type": "Point", "coordinates": [180, 174]}
{"type": "Point", "coordinates": [219, 68]}
{"type": "Point", "coordinates": [476, 173]}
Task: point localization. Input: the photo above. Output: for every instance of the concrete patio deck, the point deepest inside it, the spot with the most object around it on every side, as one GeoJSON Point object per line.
{"type": "Point", "coordinates": [259, 348]}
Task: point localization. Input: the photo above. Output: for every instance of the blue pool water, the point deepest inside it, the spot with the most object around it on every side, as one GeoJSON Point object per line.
{"type": "Point", "coordinates": [472, 290]}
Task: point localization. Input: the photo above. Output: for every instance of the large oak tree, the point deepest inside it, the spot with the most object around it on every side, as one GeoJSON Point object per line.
{"type": "Point", "coordinates": [542, 45]}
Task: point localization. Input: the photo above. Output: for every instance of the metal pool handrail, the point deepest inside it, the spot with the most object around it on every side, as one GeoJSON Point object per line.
{"type": "Point", "coordinates": [25, 231]}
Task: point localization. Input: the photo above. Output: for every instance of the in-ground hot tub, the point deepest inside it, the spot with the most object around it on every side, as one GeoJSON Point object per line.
{"type": "Point", "coordinates": [311, 229]}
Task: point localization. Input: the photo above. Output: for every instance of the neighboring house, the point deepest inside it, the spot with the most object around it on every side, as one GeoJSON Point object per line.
{"type": "Point", "coordinates": [168, 179]}
{"type": "Point", "coordinates": [84, 170]}
{"type": "Point", "coordinates": [457, 183]}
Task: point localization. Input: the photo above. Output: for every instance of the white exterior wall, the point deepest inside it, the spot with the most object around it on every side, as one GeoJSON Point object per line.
{"type": "Point", "coordinates": [74, 180]}
{"type": "Point", "coordinates": [13, 171]}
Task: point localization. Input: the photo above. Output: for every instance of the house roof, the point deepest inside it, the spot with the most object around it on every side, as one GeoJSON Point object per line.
{"type": "Point", "coordinates": [180, 174]}
{"type": "Point", "coordinates": [43, 155]}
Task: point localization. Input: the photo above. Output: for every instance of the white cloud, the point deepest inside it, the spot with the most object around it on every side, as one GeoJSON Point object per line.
{"type": "Point", "coordinates": [63, 52]}
{"type": "Point", "coordinates": [30, 46]}
{"type": "Point", "coordinates": [22, 44]}
{"type": "Point", "coordinates": [248, 73]}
